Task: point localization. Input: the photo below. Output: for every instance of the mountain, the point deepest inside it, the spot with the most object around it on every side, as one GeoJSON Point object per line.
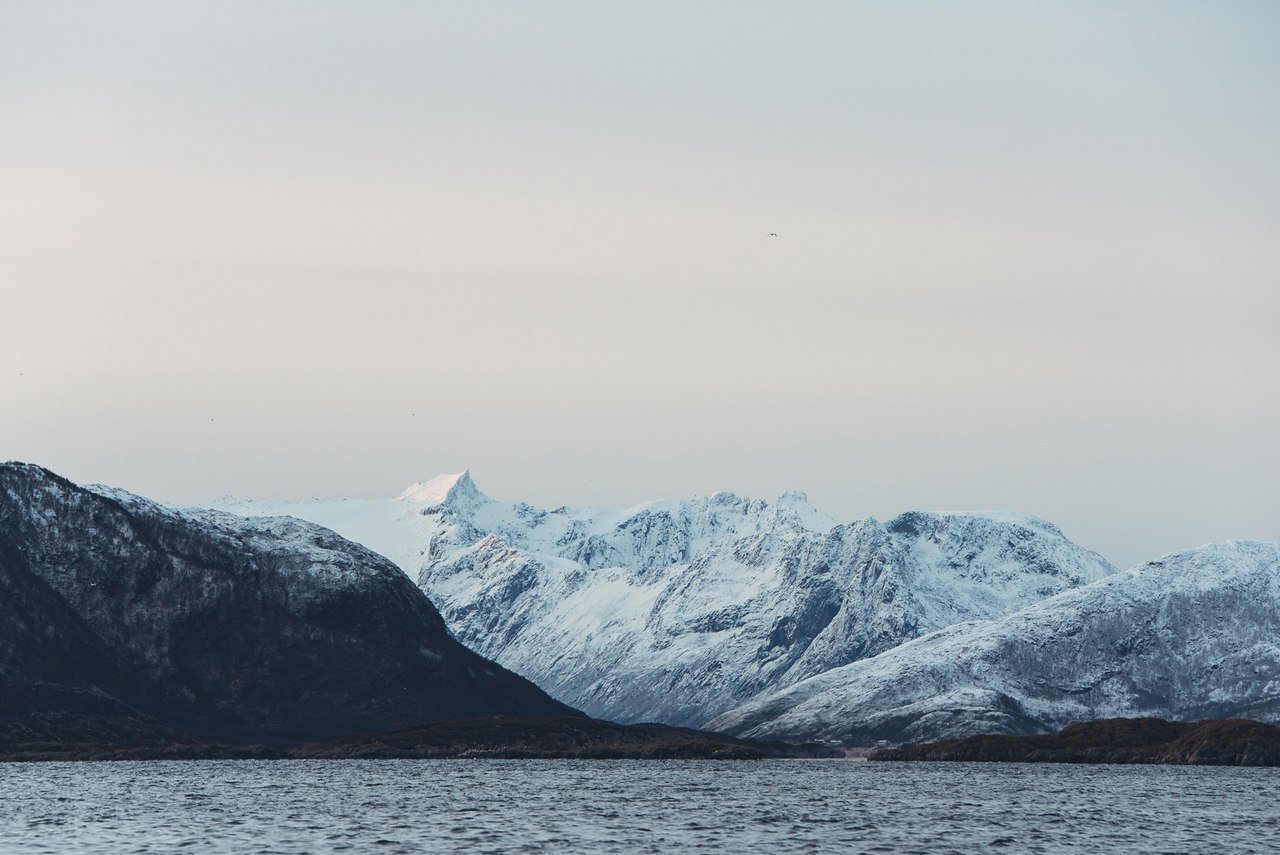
{"type": "Point", "coordinates": [1194, 635]}
{"type": "Point", "coordinates": [677, 611]}
{"type": "Point", "coordinates": [125, 621]}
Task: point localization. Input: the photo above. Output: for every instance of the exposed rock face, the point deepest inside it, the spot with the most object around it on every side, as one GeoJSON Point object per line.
{"type": "Point", "coordinates": [126, 620]}
{"type": "Point", "coordinates": [677, 611]}
{"type": "Point", "coordinates": [1234, 742]}
{"type": "Point", "coordinates": [1191, 636]}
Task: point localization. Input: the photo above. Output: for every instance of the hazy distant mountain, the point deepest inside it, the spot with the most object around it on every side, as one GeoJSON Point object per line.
{"type": "Point", "coordinates": [677, 611]}
{"type": "Point", "coordinates": [1194, 635]}
{"type": "Point", "coordinates": [124, 619]}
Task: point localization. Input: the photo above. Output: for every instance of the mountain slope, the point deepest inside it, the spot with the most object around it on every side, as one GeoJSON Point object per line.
{"type": "Point", "coordinates": [126, 617]}
{"type": "Point", "coordinates": [676, 611]}
{"type": "Point", "coordinates": [1194, 635]}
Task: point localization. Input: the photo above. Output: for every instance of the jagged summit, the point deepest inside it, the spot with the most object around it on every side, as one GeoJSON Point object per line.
{"type": "Point", "coordinates": [453, 489]}
{"type": "Point", "coordinates": [937, 525]}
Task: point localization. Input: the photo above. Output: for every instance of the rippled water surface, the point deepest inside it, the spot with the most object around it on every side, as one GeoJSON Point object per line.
{"type": "Point", "coordinates": [632, 806]}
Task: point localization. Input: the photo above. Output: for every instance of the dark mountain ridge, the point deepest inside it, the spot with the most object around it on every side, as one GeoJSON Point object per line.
{"type": "Point", "coordinates": [131, 622]}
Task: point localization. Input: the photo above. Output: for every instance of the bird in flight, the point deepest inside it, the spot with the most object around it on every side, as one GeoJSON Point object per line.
{"type": "Point", "coordinates": [773, 234]}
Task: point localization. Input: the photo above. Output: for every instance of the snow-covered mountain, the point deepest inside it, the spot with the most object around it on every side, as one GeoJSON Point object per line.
{"type": "Point", "coordinates": [678, 611]}
{"type": "Point", "coordinates": [1193, 635]}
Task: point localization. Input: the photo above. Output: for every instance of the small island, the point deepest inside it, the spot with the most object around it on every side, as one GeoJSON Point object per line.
{"type": "Point", "coordinates": [1227, 742]}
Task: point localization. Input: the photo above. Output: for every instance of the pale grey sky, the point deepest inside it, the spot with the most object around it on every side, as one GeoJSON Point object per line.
{"type": "Point", "coordinates": [1027, 254]}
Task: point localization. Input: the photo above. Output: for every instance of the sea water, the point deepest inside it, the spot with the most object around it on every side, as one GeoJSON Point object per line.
{"type": "Point", "coordinates": [633, 806]}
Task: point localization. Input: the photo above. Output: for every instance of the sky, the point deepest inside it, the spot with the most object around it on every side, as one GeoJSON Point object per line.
{"type": "Point", "coordinates": [1027, 256]}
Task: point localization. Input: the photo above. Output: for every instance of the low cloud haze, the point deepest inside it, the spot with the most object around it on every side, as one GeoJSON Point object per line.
{"type": "Point", "coordinates": [1026, 254]}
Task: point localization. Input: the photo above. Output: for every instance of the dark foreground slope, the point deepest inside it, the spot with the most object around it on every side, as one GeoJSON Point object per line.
{"type": "Point", "coordinates": [126, 623]}
{"type": "Point", "coordinates": [1229, 742]}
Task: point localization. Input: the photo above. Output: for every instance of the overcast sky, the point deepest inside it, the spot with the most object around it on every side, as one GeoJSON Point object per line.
{"type": "Point", "coordinates": [1027, 254]}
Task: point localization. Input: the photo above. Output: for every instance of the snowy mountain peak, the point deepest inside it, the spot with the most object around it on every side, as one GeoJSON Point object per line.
{"type": "Point", "coordinates": [722, 597]}
{"type": "Point", "coordinates": [452, 489]}
{"type": "Point", "coordinates": [797, 502]}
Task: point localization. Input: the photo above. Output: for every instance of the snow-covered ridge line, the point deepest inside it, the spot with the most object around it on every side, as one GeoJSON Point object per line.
{"type": "Point", "coordinates": [679, 610]}
{"type": "Point", "coordinates": [1192, 635]}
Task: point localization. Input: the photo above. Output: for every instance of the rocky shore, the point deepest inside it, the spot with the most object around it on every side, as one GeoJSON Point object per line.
{"type": "Point", "coordinates": [497, 737]}
{"type": "Point", "coordinates": [1227, 742]}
